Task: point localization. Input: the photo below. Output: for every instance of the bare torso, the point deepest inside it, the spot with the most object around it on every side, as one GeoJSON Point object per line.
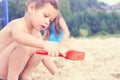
{"type": "Point", "coordinates": [5, 36]}
{"type": "Point", "coordinates": [6, 33]}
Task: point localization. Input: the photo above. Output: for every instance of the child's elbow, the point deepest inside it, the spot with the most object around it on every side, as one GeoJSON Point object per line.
{"type": "Point", "coordinates": [67, 34]}
{"type": "Point", "coordinates": [15, 38]}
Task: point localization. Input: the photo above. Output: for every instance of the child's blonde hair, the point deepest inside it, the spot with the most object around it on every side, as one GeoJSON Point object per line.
{"type": "Point", "coordinates": [40, 3]}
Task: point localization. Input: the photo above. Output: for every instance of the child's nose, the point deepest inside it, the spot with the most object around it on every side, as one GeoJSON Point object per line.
{"type": "Point", "coordinates": [47, 22]}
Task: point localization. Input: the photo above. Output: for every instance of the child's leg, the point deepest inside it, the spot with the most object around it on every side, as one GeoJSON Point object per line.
{"type": "Point", "coordinates": [34, 61]}
{"type": "Point", "coordinates": [30, 66]}
{"type": "Point", "coordinates": [49, 63]}
{"type": "Point", "coordinates": [4, 58]}
{"type": "Point", "coordinates": [17, 61]}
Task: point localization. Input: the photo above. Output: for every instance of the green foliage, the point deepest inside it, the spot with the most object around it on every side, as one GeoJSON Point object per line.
{"type": "Point", "coordinates": [97, 22]}
{"type": "Point", "coordinates": [16, 9]}
{"type": "Point", "coordinates": [84, 32]}
{"type": "Point", "coordinates": [65, 8]}
{"type": "Point", "coordinates": [81, 16]}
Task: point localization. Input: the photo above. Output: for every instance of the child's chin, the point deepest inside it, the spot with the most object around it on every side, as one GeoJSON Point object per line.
{"type": "Point", "coordinates": [38, 29]}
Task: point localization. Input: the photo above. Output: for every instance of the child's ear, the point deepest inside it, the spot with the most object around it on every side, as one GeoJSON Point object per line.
{"type": "Point", "coordinates": [31, 7]}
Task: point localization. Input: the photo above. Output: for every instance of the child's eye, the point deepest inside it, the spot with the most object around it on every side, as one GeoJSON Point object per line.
{"type": "Point", "coordinates": [45, 15]}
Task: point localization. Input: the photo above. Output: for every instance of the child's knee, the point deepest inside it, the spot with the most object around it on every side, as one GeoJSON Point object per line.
{"type": "Point", "coordinates": [25, 78]}
{"type": "Point", "coordinates": [25, 49]}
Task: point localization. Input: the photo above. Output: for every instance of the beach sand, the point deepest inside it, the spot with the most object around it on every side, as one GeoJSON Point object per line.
{"type": "Point", "coordinates": [102, 61]}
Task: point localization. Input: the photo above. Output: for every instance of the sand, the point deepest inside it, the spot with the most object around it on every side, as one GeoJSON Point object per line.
{"type": "Point", "coordinates": [102, 61]}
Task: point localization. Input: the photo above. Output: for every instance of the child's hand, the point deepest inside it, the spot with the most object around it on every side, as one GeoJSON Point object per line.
{"type": "Point", "coordinates": [52, 48]}
{"type": "Point", "coordinates": [62, 50]}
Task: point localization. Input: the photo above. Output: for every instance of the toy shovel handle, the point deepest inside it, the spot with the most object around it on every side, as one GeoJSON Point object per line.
{"type": "Point", "coordinates": [43, 52]}
{"type": "Point", "coordinates": [71, 54]}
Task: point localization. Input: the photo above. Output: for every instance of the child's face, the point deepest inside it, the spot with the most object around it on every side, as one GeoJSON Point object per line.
{"type": "Point", "coordinates": [42, 17]}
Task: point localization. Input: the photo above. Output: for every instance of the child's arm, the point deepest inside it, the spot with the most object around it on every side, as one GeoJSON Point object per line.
{"type": "Point", "coordinates": [20, 35]}
{"type": "Point", "coordinates": [64, 27]}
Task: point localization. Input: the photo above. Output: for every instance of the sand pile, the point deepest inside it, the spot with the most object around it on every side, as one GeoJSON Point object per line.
{"type": "Point", "coordinates": [102, 61]}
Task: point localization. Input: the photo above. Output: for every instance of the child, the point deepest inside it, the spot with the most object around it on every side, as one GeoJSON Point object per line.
{"type": "Point", "coordinates": [21, 38]}
{"type": "Point", "coordinates": [58, 34]}
{"type": "Point", "coordinates": [58, 31]}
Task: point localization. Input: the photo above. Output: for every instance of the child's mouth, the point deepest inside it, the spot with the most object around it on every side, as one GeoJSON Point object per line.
{"type": "Point", "coordinates": [43, 27]}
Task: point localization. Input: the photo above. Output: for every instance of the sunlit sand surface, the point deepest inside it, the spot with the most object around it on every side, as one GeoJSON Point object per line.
{"type": "Point", "coordinates": [102, 61]}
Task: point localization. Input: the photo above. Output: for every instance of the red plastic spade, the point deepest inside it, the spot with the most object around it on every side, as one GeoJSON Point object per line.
{"type": "Point", "coordinates": [71, 54]}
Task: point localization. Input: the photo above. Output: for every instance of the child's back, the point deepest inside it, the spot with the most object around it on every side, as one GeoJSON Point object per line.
{"type": "Point", "coordinates": [6, 35]}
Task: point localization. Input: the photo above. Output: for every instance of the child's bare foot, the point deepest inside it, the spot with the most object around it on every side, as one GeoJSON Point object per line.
{"type": "Point", "coordinates": [3, 79]}
{"type": "Point", "coordinates": [25, 78]}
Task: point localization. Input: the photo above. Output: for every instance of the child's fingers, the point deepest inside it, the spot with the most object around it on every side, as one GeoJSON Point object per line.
{"type": "Point", "coordinates": [64, 54]}
{"type": "Point", "coordinates": [56, 54]}
{"type": "Point", "coordinates": [53, 53]}
{"type": "Point", "coordinates": [50, 53]}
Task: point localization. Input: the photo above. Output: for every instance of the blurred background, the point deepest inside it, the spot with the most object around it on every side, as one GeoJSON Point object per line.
{"type": "Point", "coordinates": [85, 18]}
{"type": "Point", "coordinates": [95, 29]}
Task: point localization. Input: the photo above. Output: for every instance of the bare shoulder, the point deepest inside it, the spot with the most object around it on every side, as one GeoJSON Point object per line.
{"type": "Point", "coordinates": [62, 23]}
{"type": "Point", "coordinates": [8, 28]}
{"type": "Point", "coordinates": [18, 22]}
